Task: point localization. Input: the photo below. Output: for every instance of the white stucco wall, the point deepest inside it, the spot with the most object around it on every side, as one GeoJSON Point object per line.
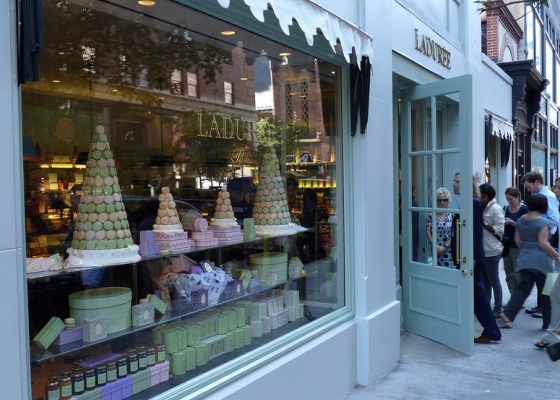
{"type": "Point", "coordinates": [14, 362]}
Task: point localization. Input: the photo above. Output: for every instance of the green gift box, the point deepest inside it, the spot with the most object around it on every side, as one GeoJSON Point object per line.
{"type": "Point", "coordinates": [158, 303]}
{"type": "Point", "coordinates": [48, 334]}
{"type": "Point", "coordinates": [230, 342]}
{"type": "Point", "coordinates": [201, 354]}
{"type": "Point", "coordinates": [239, 338]}
{"type": "Point", "coordinates": [190, 358]}
{"type": "Point", "coordinates": [178, 363]}
{"type": "Point", "coordinates": [246, 334]}
{"type": "Point", "coordinates": [222, 323]}
{"type": "Point", "coordinates": [193, 335]}
{"type": "Point", "coordinates": [182, 338]}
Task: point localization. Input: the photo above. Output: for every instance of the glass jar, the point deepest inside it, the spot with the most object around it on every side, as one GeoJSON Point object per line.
{"type": "Point", "coordinates": [132, 359]}
{"type": "Point", "coordinates": [151, 354]}
{"type": "Point", "coordinates": [122, 367]}
{"type": "Point", "coordinates": [78, 382]}
{"type": "Point", "coordinates": [160, 353]}
{"type": "Point", "coordinates": [89, 375]}
{"type": "Point", "coordinates": [65, 387]}
{"type": "Point", "coordinates": [111, 371]}
{"type": "Point", "coordinates": [52, 390]}
{"type": "Point", "coordinates": [142, 358]}
{"type": "Point", "coordinates": [101, 375]}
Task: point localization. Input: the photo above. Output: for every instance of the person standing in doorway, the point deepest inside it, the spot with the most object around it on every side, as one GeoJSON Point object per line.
{"type": "Point", "coordinates": [482, 310]}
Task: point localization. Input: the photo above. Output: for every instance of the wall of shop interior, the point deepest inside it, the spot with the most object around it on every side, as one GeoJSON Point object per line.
{"type": "Point", "coordinates": [14, 362]}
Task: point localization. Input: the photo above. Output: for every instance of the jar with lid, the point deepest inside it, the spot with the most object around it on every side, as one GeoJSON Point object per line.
{"type": "Point", "coordinates": [89, 375]}
{"type": "Point", "coordinates": [65, 387]}
{"type": "Point", "coordinates": [101, 375]}
{"type": "Point", "coordinates": [151, 355]}
{"type": "Point", "coordinates": [111, 371]}
{"type": "Point", "coordinates": [160, 353]}
{"type": "Point", "coordinates": [52, 390]}
{"type": "Point", "coordinates": [142, 358]}
{"type": "Point", "coordinates": [78, 382]}
{"type": "Point", "coordinates": [132, 359]}
{"type": "Point", "coordinates": [122, 367]}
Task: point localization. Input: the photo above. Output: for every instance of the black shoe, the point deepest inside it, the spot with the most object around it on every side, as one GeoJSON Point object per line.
{"type": "Point", "coordinates": [537, 314]}
{"type": "Point", "coordinates": [532, 310]}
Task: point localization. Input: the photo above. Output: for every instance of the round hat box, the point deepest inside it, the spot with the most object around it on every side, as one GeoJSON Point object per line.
{"type": "Point", "coordinates": [111, 302]}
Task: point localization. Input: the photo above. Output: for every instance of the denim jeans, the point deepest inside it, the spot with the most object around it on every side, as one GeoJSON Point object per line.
{"type": "Point", "coordinates": [491, 280]}
{"type": "Point", "coordinates": [482, 308]}
{"type": "Point", "coordinates": [509, 269]}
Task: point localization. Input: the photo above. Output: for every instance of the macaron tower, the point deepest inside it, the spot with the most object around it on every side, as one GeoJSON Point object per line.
{"type": "Point", "coordinates": [271, 211]}
{"type": "Point", "coordinates": [168, 231]}
{"type": "Point", "coordinates": [224, 225]}
{"type": "Point", "coordinates": [101, 232]}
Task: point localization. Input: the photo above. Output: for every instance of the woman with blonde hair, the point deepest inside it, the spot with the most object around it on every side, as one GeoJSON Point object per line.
{"type": "Point", "coordinates": [444, 222]}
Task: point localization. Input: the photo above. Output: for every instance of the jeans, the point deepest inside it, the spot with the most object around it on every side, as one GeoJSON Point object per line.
{"type": "Point", "coordinates": [509, 268]}
{"type": "Point", "coordinates": [482, 308]}
{"type": "Point", "coordinates": [491, 280]}
{"type": "Point", "coordinates": [526, 278]}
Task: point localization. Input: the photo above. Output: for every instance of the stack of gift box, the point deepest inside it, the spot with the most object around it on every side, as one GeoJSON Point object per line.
{"type": "Point", "coordinates": [201, 236]}
{"type": "Point", "coordinates": [192, 342]}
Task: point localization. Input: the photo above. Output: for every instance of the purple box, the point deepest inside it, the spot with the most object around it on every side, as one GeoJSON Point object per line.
{"type": "Point", "coordinates": [195, 269]}
{"type": "Point", "coordinates": [199, 299]}
{"type": "Point", "coordinates": [146, 247]}
{"type": "Point", "coordinates": [102, 359]}
{"type": "Point", "coordinates": [234, 288]}
{"type": "Point", "coordinates": [69, 336]}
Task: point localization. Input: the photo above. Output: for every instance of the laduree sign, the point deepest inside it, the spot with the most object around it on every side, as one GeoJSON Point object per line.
{"type": "Point", "coordinates": [224, 127]}
{"type": "Point", "coordinates": [430, 48]}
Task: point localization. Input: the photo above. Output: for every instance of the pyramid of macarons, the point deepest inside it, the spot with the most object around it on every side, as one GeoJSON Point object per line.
{"type": "Point", "coordinates": [101, 232]}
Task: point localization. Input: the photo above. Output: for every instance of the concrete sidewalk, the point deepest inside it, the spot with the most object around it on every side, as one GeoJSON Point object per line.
{"type": "Point", "coordinates": [511, 369]}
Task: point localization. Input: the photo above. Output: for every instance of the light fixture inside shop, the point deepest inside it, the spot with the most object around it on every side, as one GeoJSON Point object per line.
{"type": "Point", "coordinates": [228, 33]}
{"type": "Point", "coordinates": [147, 3]}
{"type": "Point", "coordinates": [285, 54]}
{"type": "Point", "coordinates": [161, 160]}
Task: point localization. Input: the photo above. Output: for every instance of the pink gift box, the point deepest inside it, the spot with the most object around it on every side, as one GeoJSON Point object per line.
{"type": "Point", "coordinates": [160, 373]}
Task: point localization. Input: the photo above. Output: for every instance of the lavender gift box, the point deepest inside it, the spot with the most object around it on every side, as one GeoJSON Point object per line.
{"type": "Point", "coordinates": [143, 314]}
{"type": "Point", "coordinates": [199, 299]}
{"type": "Point", "coordinates": [95, 328]}
{"type": "Point", "coordinates": [69, 336]}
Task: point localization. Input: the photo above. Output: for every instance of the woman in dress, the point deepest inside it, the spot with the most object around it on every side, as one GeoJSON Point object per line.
{"type": "Point", "coordinates": [443, 231]}
{"type": "Point", "coordinates": [514, 210]}
{"type": "Point", "coordinates": [493, 219]}
{"type": "Point", "coordinates": [535, 259]}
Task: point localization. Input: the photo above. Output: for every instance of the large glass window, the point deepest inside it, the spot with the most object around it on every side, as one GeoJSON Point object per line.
{"type": "Point", "coordinates": [146, 119]}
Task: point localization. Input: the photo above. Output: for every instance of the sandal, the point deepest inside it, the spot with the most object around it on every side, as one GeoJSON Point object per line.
{"type": "Point", "coordinates": [504, 321]}
{"type": "Point", "coordinates": [541, 344]}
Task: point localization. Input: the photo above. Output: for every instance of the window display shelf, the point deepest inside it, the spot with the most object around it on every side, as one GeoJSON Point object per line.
{"type": "Point", "coordinates": [42, 275]}
{"type": "Point", "coordinates": [177, 313]}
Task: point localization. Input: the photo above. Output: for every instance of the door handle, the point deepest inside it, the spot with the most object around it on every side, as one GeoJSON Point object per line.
{"type": "Point", "coordinates": [457, 241]}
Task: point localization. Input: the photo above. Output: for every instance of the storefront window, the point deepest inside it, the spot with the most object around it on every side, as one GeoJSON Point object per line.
{"type": "Point", "coordinates": [161, 102]}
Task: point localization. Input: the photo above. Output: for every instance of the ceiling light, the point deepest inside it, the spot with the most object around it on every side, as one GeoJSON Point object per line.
{"type": "Point", "coordinates": [243, 79]}
{"type": "Point", "coordinates": [228, 33]}
{"type": "Point", "coordinates": [147, 3]}
{"type": "Point", "coordinates": [285, 54]}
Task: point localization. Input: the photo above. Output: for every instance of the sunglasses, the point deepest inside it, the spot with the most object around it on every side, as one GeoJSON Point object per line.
{"type": "Point", "coordinates": [443, 200]}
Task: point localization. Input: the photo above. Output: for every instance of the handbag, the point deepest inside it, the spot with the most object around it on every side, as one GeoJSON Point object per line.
{"type": "Point", "coordinates": [549, 283]}
{"type": "Point", "coordinates": [504, 240]}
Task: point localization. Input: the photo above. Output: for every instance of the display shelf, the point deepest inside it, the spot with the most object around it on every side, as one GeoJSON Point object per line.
{"type": "Point", "coordinates": [38, 355]}
{"type": "Point", "coordinates": [33, 276]}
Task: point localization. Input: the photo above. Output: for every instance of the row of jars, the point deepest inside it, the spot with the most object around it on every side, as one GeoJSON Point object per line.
{"type": "Point", "coordinates": [76, 381]}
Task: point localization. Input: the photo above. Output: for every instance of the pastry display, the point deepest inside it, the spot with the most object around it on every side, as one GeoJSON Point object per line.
{"type": "Point", "coordinates": [224, 224]}
{"type": "Point", "coordinates": [271, 211]}
{"type": "Point", "coordinates": [168, 230]}
{"type": "Point", "coordinates": [101, 231]}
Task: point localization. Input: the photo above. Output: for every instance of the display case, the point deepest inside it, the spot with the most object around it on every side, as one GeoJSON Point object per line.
{"type": "Point", "coordinates": [172, 246]}
{"type": "Point", "coordinates": [258, 303]}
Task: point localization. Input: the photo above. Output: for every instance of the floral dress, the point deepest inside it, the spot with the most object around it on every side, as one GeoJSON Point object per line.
{"type": "Point", "coordinates": [443, 235]}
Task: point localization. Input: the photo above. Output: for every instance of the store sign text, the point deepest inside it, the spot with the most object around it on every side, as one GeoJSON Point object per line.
{"type": "Point", "coordinates": [222, 127]}
{"type": "Point", "coordinates": [430, 48]}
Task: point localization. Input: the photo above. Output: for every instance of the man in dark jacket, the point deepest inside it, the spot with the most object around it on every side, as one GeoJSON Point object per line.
{"type": "Point", "coordinates": [482, 309]}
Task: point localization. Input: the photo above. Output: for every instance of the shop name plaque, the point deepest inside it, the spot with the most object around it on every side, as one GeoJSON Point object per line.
{"type": "Point", "coordinates": [430, 48]}
{"type": "Point", "coordinates": [223, 127]}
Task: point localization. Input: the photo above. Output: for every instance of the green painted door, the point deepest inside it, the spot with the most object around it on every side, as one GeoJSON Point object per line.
{"type": "Point", "coordinates": [436, 144]}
